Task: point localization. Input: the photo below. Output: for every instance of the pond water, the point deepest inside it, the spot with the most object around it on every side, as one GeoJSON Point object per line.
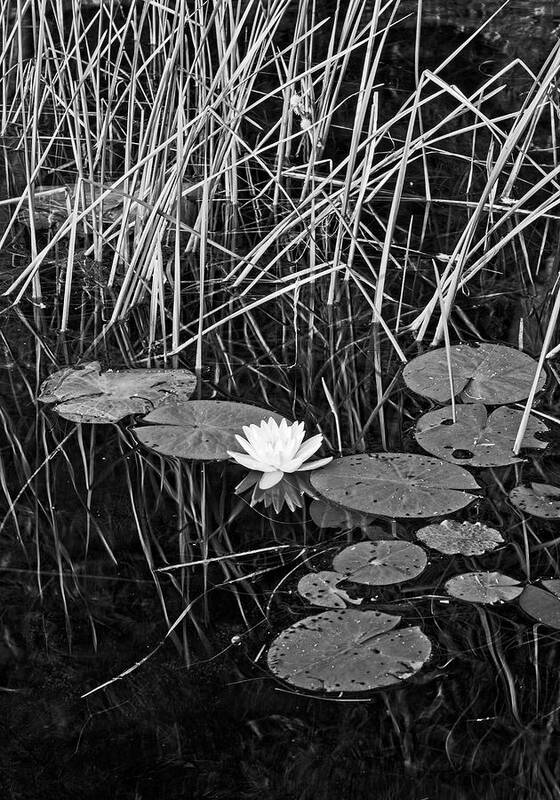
{"type": "Point", "coordinates": [148, 608]}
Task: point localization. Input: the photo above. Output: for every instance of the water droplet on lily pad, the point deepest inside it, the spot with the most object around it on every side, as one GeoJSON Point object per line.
{"type": "Point", "coordinates": [348, 651]}
{"type": "Point", "coordinates": [395, 484]}
{"type": "Point", "coordinates": [468, 538]}
{"type": "Point", "coordinates": [476, 439]}
{"type": "Point", "coordinates": [489, 373]}
{"type": "Point", "coordinates": [483, 587]}
{"type": "Point", "coordinates": [85, 394]}
{"type": "Point", "coordinates": [381, 563]}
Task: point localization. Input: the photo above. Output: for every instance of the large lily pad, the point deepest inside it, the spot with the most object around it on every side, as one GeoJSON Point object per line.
{"type": "Point", "coordinates": [348, 651]}
{"type": "Point", "coordinates": [484, 587]}
{"type": "Point", "coordinates": [85, 394]}
{"type": "Point", "coordinates": [468, 538]}
{"type": "Point", "coordinates": [395, 484]}
{"type": "Point", "coordinates": [541, 605]}
{"type": "Point", "coordinates": [540, 500]}
{"type": "Point", "coordinates": [381, 563]}
{"type": "Point", "coordinates": [321, 589]}
{"type": "Point", "coordinates": [200, 429]}
{"type": "Point", "coordinates": [489, 373]}
{"type": "Point", "coordinates": [476, 439]}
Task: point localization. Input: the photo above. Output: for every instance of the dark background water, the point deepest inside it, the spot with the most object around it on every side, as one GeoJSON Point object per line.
{"type": "Point", "coordinates": [480, 721]}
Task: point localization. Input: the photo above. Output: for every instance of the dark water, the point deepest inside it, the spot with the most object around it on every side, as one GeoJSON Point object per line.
{"type": "Point", "coordinates": [85, 516]}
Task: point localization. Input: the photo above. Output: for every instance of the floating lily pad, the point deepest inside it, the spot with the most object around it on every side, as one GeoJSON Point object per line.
{"type": "Point", "coordinates": [468, 538]}
{"type": "Point", "coordinates": [200, 429]}
{"type": "Point", "coordinates": [475, 439]}
{"type": "Point", "coordinates": [540, 500]}
{"type": "Point", "coordinates": [381, 563]}
{"type": "Point", "coordinates": [325, 515]}
{"type": "Point", "coordinates": [85, 394]}
{"type": "Point", "coordinates": [321, 589]}
{"type": "Point", "coordinates": [348, 651]}
{"type": "Point", "coordinates": [490, 373]}
{"type": "Point", "coordinates": [395, 484]}
{"type": "Point", "coordinates": [541, 605]}
{"type": "Point", "coordinates": [484, 587]}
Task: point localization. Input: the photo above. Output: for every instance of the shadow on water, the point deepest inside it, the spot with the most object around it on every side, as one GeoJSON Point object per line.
{"type": "Point", "coordinates": [87, 518]}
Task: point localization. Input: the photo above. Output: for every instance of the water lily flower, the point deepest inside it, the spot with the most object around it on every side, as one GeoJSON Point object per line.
{"type": "Point", "coordinates": [274, 449]}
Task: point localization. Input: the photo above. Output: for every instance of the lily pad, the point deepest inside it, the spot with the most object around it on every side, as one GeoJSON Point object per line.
{"type": "Point", "coordinates": [484, 587]}
{"type": "Point", "coordinates": [489, 373]}
{"type": "Point", "coordinates": [85, 394]}
{"type": "Point", "coordinates": [200, 429]}
{"type": "Point", "coordinates": [475, 439]}
{"type": "Point", "coordinates": [540, 500]}
{"type": "Point", "coordinates": [320, 588]}
{"type": "Point", "coordinates": [395, 484]}
{"type": "Point", "coordinates": [541, 605]}
{"type": "Point", "coordinates": [381, 563]}
{"type": "Point", "coordinates": [468, 538]}
{"type": "Point", "coordinates": [325, 515]}
{"type": "Point", "coordinates": [348, 651]}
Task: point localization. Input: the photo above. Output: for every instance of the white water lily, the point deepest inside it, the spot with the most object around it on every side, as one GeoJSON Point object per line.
{"type": "Point", "coordinates": [275, 449]}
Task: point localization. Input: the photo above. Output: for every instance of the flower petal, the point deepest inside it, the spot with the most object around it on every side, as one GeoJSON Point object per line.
{"type": "Point", "coordinates": [247, 446]}
{"type": "Point", "coordinates": [316, 464]}
{"type": "Point", "coordinates": [250, 463]}
{"type": "Point", "coordinates": [250, 479]}
{"type": "Point", "coordinates": [270, 479]}
{"type": "Point", "coordinates": [298, 432]}
{"type": "Point", "coordinates": [309, 447]}
{"type": "Point", "coordinates": [253, 434]}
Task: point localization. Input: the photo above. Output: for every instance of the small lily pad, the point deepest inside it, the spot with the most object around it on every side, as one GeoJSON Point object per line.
{"type": "Point", "coordinates": [395, 484]}
{"type": "Point", "coordinates": [540, 500]}
{"type": "Point", "coordinates": [200, 429]}
{"type": "Point", "coordinates": [325, 515]}
{"type": "Point", "coordinates": [483, 587]}
{"type": "Point", "coordinates": [541, 605]}
{"type": "Point", "coordinates": [468, 538]}
{"type": "Point", "coordinates": [489, 373]}
{"type": "Point", "coordinates": [381, 563]}
{"type": "Point", "coordinates": [320, 588]}
{"type": "Point", "coordinates": [85, 394]}
{"type": "Point", "coordinates": [475, 439]}
{"type": "Point", "coordinates": [348, 651]}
